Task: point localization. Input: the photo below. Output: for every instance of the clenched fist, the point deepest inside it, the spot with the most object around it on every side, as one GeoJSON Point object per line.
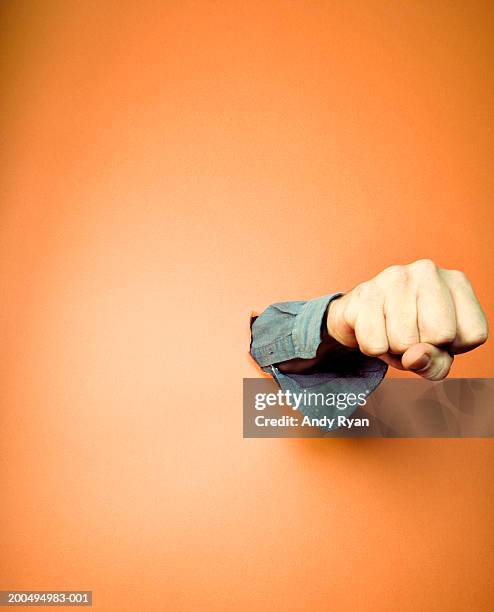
{"type": "Point", "coordinates": [413, 317]}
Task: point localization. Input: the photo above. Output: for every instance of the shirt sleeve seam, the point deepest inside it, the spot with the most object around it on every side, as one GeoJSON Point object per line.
{"type": "Point", "coordinates": [272, 342]}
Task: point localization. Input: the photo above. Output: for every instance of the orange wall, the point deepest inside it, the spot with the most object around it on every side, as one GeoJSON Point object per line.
{"type": "Point", "coordinates": [166, 168]}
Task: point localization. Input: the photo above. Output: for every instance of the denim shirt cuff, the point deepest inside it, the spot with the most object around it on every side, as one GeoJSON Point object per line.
{"type": "Point", "coordinates": [306, 333]}
{"type": "Point", "coordinates": [289, 330]}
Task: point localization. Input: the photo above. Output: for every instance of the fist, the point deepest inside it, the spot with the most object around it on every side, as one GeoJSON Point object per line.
{"type": "Point", "coordinates": [414, 317]}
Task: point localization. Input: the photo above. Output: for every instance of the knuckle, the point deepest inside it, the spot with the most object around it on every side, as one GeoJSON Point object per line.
{"type": "Point", "coordinates": [369, 344]}
{"type": "Point", "coordinates": [372, 350]}
{"type": "Point", "coordinates": [443, 337]}
{"type": "Point", "coordinates": [425, 263]}
{"type": "Point", "coordinates": [358, 289]}
{"type": "Point", "coordinates": [403, 344]}
{"type": "Point", "coordinates": [369, 291]}
{"type": "Point", "coordinates": [477, 337]}
{"type": "Point", "coordinates": [458, 277]}
{"type": "Point", "coordinates": [395, 274]}
{"type": "Point", "coordinates": [396, 271]}
{"type": "Point", "coordinates": [424, 266]}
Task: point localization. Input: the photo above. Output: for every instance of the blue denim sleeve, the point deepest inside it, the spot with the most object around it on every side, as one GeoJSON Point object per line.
{"type": "Point", "coordinates": [288, 330]}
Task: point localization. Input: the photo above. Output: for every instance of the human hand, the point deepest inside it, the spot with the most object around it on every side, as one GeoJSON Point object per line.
{"type": "Point", "coordinates": [414, 317]}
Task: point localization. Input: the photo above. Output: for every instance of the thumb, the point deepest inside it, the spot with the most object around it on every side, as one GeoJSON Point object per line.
{"type": "Point", "coordinates": [427, 361]}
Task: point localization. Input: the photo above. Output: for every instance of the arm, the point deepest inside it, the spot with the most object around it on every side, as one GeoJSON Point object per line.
{"type": "Point", "coordinates": [414, 317]}
{"type": "Point", "coordinates": [328, 347]}
{"type": "Point", "coordinates": [292, 337]}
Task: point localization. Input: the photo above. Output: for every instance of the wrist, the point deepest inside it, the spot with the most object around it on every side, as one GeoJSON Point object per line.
{"type": "Point", "coordinates": [331, 317]}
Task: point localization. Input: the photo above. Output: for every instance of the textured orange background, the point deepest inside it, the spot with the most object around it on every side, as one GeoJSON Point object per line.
{"type": "Point", "coordinates": [166, 168]}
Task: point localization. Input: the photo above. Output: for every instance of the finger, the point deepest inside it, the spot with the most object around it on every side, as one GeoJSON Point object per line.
{"type": "Point", "coordinates": [392, 360]}
{"type": "Point", "coordinates": [400, 310]}
{"type": "Point", "coordinates": [471, 323]}
{"type": "Point", "coordinates": [427, 361]}
{"type": "Point", "coordinates": [436, 315]}
{"type": "Point", "coordinates": [370, 325]}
